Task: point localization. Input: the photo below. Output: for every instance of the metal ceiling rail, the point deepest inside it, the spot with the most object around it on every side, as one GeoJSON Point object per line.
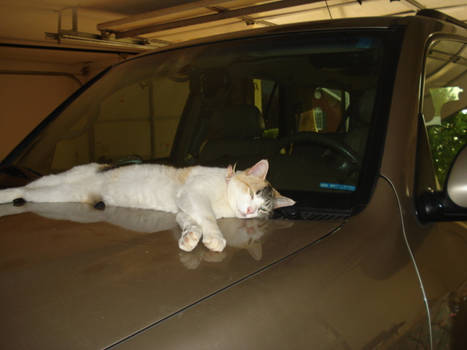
{"type": "Point", "coordinates": [415, 4]}
{"type": "Point", "coordinates": [178, 10]}
{"type": "Point", "coordinates": [221, 14]}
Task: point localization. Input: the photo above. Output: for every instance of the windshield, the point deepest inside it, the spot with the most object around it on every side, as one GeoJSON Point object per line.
{"type": "Point", "coordinates": [305, 101]}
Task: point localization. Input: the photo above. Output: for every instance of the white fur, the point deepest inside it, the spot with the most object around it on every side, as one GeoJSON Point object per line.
{"type": "Point", "coordinates": [199, 195]}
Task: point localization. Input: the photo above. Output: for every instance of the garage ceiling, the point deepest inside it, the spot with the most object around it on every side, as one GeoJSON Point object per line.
{"type": "Point", "coordinates": [148, 23]}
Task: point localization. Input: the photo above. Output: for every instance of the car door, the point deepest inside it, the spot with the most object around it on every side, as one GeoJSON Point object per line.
{"type": "Point", "coordinates": [440, 248]}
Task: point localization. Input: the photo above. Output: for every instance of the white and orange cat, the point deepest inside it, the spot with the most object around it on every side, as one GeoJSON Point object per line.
{"type": "Point", "coordinates": [199, 195]}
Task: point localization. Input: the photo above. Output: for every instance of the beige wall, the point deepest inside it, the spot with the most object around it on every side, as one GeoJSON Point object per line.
{"type": "Point", "coordinates": [35, 80]}
{"type": "Point", "coordinates": [25, 100]}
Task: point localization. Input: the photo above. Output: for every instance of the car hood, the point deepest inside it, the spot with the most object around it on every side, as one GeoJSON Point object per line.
{"type": "Point", "coordinates": [76, 277]}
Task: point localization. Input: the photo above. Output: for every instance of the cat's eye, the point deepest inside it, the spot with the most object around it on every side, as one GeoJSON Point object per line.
{"type": "Point", "coordinates": [252, 195]}
{"type": "Point", "coordinates": [258, 192]}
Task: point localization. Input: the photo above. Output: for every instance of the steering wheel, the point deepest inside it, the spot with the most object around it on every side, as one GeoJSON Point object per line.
{"type": "Point", "coordinates": [327, 141]}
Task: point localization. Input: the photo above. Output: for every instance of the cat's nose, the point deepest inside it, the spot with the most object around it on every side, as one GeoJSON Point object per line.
{"type": "Point", "coordinates": [250, 210]}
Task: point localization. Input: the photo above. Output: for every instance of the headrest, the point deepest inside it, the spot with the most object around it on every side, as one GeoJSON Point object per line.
{"type": "Point", "coordinates": [235, 121]}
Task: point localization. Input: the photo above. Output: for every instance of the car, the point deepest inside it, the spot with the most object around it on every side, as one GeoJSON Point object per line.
{"type": "Point", "coordinates": [364, 124]}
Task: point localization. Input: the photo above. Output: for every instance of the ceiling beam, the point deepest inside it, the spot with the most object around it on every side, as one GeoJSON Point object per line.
{"type": "Point", "coordinates": [160, 12]}
{"type": "Point", "coordinates": [415, 4]}
{"type": "Point", "coordinates": [241, 12]}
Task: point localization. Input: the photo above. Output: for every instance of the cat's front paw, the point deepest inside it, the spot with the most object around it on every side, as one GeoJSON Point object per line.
{"type": "Point", "coordinates": [189, 240]}
{"type": "Point", "coordinates": [214, 242]}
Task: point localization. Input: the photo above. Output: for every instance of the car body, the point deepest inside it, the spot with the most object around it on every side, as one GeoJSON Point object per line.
{"type": "Point", "coordinates": [352, 116]}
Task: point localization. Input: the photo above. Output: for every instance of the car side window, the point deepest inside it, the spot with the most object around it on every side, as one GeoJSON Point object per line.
{"type": "Point", "coordinates": [444, 106]}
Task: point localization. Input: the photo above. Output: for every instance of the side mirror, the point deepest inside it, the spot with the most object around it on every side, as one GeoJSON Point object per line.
{"type": "Point", "coordinates": [451, 203]}
{"type": "Point", "coordinates": [457, 180]}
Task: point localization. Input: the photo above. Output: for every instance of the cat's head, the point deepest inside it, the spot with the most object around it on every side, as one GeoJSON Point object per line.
{"type": "Point", "coordinates": [249, 193]}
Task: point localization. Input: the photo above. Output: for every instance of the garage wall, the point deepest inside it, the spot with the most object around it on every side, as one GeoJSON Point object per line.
{"type": "Point", "coordinates": [38, 73]}
{"type": "Point", "coordinates": [34, 80]}
{"type": "Point", "coordinates": [27, 99]}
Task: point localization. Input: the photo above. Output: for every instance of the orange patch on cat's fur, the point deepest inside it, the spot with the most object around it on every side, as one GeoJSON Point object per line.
{"type": "Point", "coordinates": [183, 174]}
{"type": "Point", "coordinates": [252, 182]}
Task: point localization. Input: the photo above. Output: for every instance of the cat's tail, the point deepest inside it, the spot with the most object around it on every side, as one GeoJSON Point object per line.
{"type": "Point", "coordinates": [10, 194]}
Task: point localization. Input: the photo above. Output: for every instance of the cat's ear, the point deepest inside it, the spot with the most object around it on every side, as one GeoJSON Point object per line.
{"type": "Point", "coordinates": [230, 172]}
{"type": "Point", "coordinates": [260, 169]}
{"type": "Point", "coordinates": [281, 201]}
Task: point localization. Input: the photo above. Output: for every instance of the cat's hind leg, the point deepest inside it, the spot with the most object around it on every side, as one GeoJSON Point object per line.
{"type": "Point", "coordinates": [191, 232]}
{"type": "Point", "coordinates": [74, 175]}
{"type": "Point", "coordinates": [10, 194]}
{"type": "Point", "coordinates": [20, 195]}
{"type": "Point", "coordinates": [70, 186]}
{"type": "Point", "coordinates": [58, 194]}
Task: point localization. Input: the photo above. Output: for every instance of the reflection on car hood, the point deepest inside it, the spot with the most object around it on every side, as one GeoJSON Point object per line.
{"type": "Point", "coordinates": [75, 277]}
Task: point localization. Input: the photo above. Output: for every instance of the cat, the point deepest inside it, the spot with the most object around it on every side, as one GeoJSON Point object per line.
{"type": "Point", "coordinates": [198, 195]}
